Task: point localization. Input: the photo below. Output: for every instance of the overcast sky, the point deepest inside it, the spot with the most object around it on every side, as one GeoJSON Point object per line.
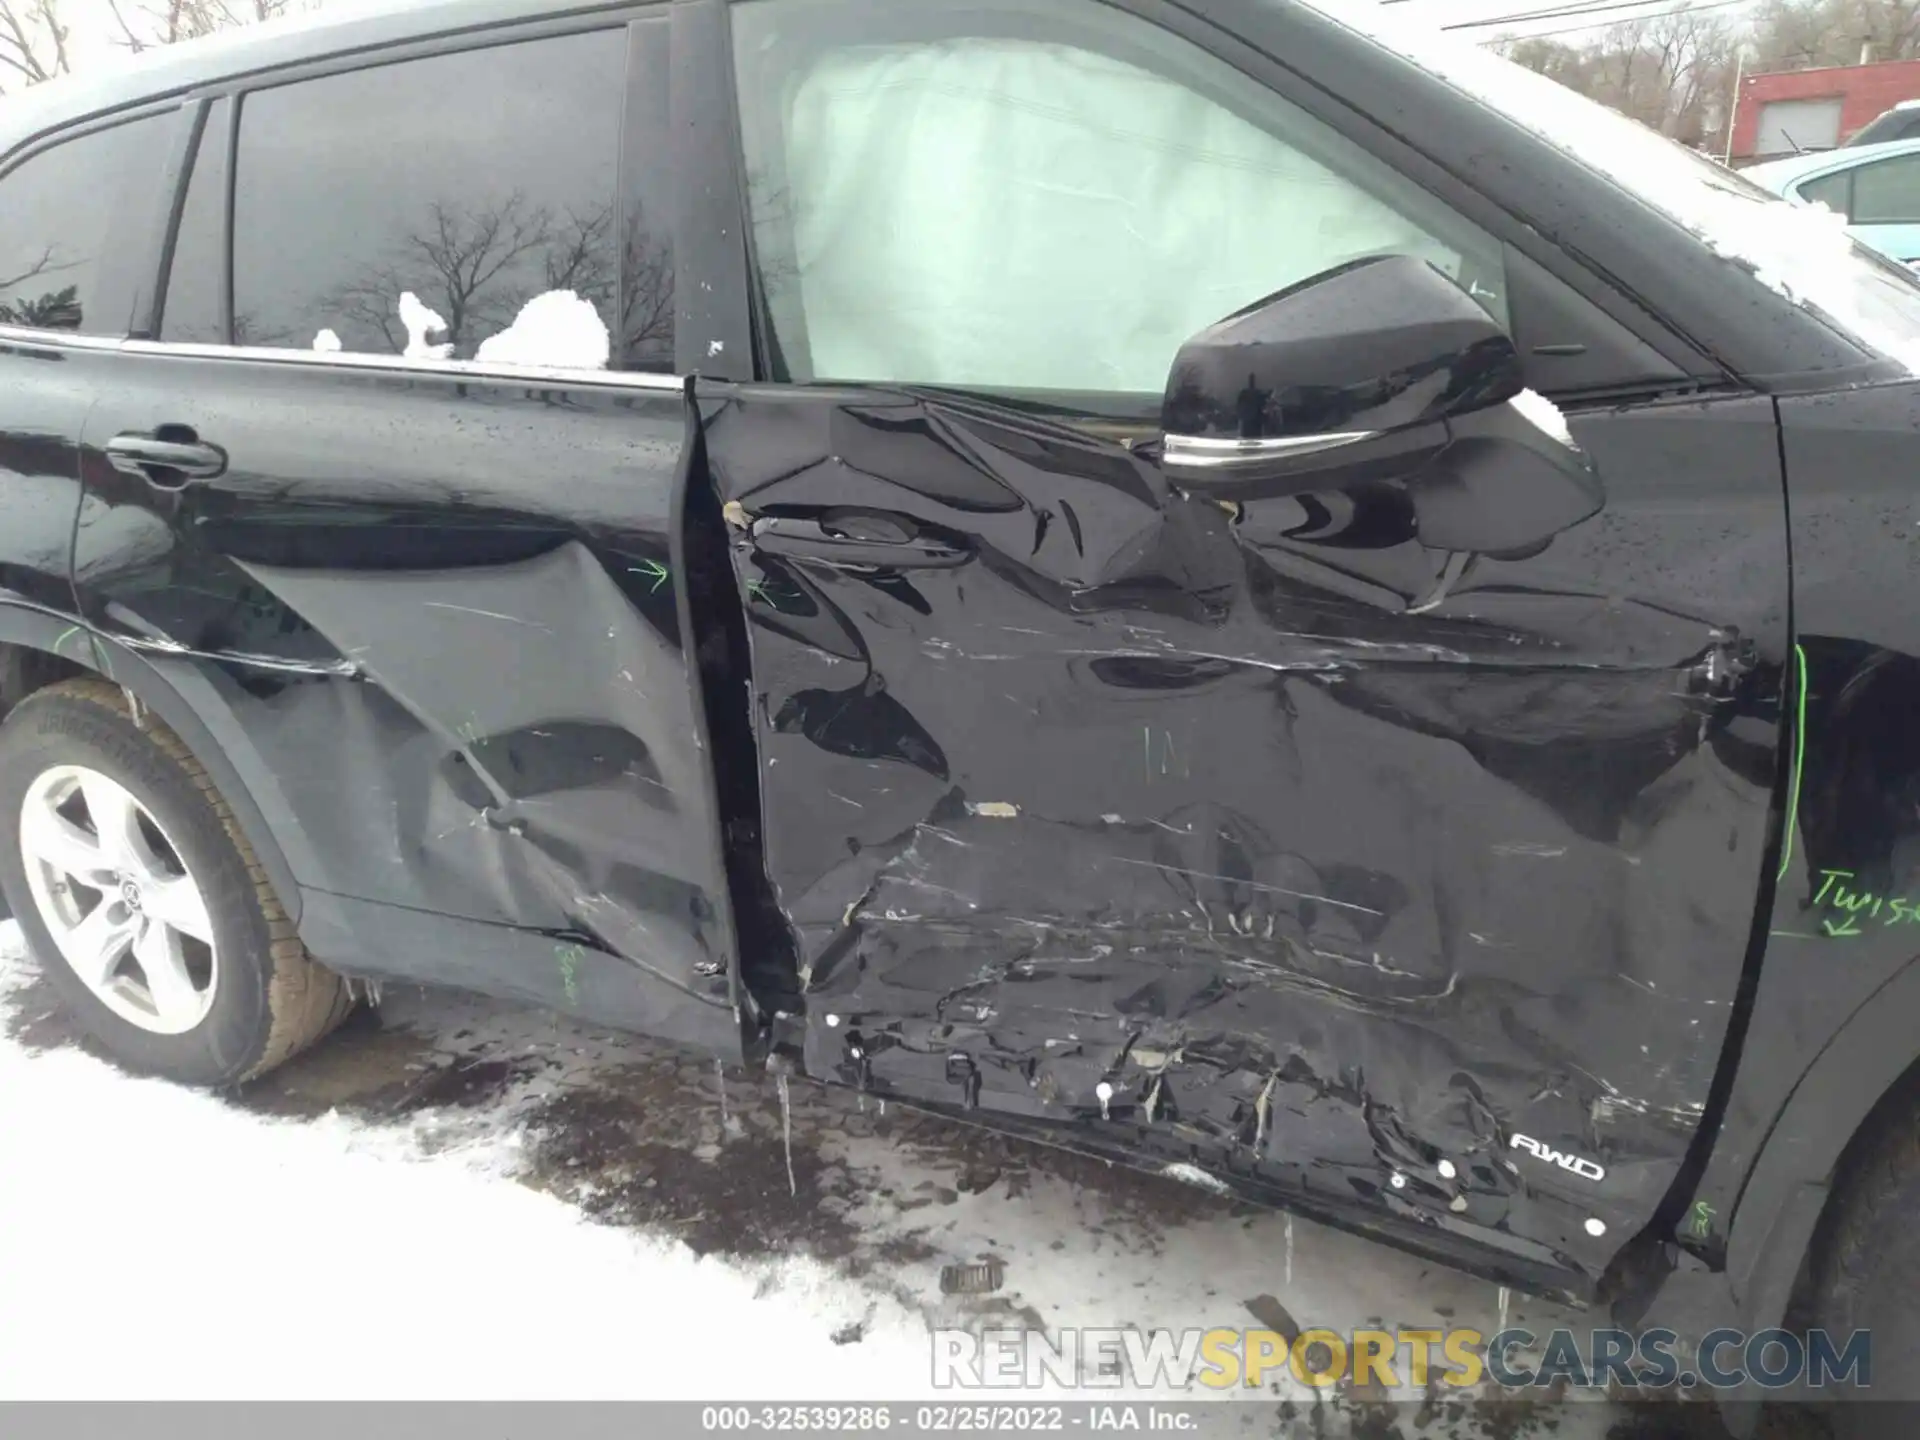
{"type": "Point", "coordinates": [95, 33]}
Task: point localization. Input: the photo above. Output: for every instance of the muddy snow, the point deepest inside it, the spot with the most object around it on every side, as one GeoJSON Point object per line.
{"type": "Point", "coordinates": [454, 1197]}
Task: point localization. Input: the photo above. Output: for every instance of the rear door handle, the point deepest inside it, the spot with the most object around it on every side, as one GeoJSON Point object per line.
{"type": "Point", "coordinates": [858, 540]}
{"type": "Point", "coordinates": [168, 463]}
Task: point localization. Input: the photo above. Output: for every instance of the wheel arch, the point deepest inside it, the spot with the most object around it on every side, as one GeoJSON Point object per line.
{"type": "Point", "coordinates": [39, 649]}
{"type": "Point", "coordinates": [1866, 1065]}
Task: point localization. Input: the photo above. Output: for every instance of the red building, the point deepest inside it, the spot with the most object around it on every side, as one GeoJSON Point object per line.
{"type": "Point", "coordinates": [1792, 110]}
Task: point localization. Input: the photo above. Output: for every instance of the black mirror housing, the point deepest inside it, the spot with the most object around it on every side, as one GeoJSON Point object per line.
{"type": "Point", "coordinates": [1502, 487]}
{"type": "Point", "coordinates": [1371, 347]}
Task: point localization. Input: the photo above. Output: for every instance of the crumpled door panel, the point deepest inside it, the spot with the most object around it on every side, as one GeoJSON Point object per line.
{"type": "Point", "coordinates": [563, 778]}
{"type": "Point", "coordinates": [1258, 837]}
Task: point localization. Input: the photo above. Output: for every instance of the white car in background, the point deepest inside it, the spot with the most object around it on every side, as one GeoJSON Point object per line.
{"type": "Point", "coordinates": [1876, 187]}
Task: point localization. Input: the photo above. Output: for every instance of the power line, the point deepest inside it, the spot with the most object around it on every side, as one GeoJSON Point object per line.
{"type": "Point", "coordinates": [1553, 12]}
{"type": "Point", "coordinates": [1596, 24]}
{"type": "Point", "coordinates": [1580, 7]}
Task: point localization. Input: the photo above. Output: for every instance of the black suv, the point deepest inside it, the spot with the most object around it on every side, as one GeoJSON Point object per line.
{"type": "Point", "coordinates": [1172, 575]}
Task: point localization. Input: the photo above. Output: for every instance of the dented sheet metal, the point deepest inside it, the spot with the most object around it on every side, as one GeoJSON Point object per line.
{"type": "Point", "coordinates": [569, 778]}
{"type": "Point", "coordinates": [457, 681]}
{"type": "Point", "coordinates": [1256, 836]}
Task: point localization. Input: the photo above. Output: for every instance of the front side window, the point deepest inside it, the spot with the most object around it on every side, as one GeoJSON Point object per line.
{"type": "Point", "coordinates": [58, 210]}
{"type": "Point", "coordinates": [1035, 197]}
{"type": "Point", "coordinates": [463, 206]}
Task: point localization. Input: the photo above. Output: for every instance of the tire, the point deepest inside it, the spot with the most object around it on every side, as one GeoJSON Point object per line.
{"type": "Point", "coordinates": [1866, 1267]}
{"type": "Point", "coordinates": [241, 993]}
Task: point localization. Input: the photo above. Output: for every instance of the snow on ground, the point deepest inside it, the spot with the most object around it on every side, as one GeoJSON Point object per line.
{"type": "Point", "coordinates": [457, 1198]}
{"type": "Point", "coordinates": [334, 1260]}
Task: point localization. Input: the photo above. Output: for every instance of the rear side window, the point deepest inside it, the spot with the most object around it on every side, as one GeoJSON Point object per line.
{"type": "Point", "coordinates": [1887, 192]}
{"type": "Point", "coordinates": [59, 209]}
{"type": "Point", "coordinates": [462, 206]}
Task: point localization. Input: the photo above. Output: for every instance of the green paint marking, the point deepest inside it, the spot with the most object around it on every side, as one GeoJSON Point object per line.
{"type": "Point", "coordinates": [1847, 908]}
{"type": "Point", "coordinates": [1799, 761]}
{"type": "Point", "coordinates": [65, 635]}
{"type": "Point", "coordinates": [1701, 1223]}
{"type": "Point", "coordinates": [655, 572]}
{"type": "Point", "coordinates": [757, 590]}
{"type": "Point", "coordinates": [569, 958]}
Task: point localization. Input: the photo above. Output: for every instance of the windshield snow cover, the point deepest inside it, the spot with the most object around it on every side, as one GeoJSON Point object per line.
{"type": "Point", "coordinates": [1801, 252]}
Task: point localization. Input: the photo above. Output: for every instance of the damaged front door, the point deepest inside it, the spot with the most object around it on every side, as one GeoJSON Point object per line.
{"type": "Point", "coordinates": [1410, 881]}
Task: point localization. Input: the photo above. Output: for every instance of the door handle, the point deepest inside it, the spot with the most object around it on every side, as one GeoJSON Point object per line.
{"type": "Point", "coordinates": [865, 540]}
{"type": "Point", "coordinates": [167, 461]}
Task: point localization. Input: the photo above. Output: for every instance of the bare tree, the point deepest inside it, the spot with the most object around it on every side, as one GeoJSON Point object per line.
{"type": "Point", "coordinates": [1799, 34]}
{"type": "Point", "coordinates": [53, 310]}
{"type": "Point", "coordinates": [1671, 71]}
{"type": "Point", "coordinates": [477, 266]}
{"type": "Point", "coordinates": [453, 263]}
{"type": "Point", "coordinates": [33, 42]}
{"type": "Point", "coordinates": [580, 258]}
{"type": "Point", "coordinates": [147, 23]}
{"type": "Point", "coordinates": [44, 265]}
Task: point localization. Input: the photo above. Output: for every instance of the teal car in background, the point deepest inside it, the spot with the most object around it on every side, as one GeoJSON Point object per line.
{"type": "Point", "coordinates": [1876, 187]}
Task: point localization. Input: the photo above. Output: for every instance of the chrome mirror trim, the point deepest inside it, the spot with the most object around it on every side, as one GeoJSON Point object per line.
{"type": "Point", "coordinates": [1205, 452]}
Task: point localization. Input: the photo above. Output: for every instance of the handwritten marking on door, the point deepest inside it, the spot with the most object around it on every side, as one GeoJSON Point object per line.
{"type": "Point", "coordinates": [1851, 912]}
{"type": "Point", "coordinates": [654, 571]}
{"type": "Point", "coordinates": [1700, 1224]}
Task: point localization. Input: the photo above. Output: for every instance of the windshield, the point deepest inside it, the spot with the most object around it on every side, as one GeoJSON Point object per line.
{"type": "Point", "coordinates": [1802, 252]}
{"type": "Point", "coordinates": [1900, 123]}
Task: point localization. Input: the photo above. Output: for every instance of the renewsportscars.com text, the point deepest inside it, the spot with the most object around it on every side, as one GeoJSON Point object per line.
{"type": "Point", "coordinates": [1225, 1359]}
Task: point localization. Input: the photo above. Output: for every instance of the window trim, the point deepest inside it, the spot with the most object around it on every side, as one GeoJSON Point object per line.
{"type": "Point", "coordinates": [557, 377]}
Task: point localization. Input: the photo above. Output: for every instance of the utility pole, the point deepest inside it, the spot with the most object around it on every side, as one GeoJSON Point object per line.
{"type": "Point", "coordinates": [1733, 110]}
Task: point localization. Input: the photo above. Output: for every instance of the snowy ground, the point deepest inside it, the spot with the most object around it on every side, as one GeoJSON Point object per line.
{"type": "Point", "coordinates": [456, 1198]}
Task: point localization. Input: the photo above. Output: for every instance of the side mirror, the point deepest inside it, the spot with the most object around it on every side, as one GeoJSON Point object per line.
{"type": "Point", "coordinates": [1376, 346]}
{"type": "Point", "coordinates": [1502, 487]}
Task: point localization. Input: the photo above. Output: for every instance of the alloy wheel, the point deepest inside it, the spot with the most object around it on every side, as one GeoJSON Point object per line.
{"type": "Point", "coordinates": [117, 898]}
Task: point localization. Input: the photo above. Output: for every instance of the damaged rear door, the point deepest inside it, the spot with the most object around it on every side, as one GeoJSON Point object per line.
{"type": "Point", "coordinates": [1234, 831]}
{"type": "Point", "coordinates": [390, 497]}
